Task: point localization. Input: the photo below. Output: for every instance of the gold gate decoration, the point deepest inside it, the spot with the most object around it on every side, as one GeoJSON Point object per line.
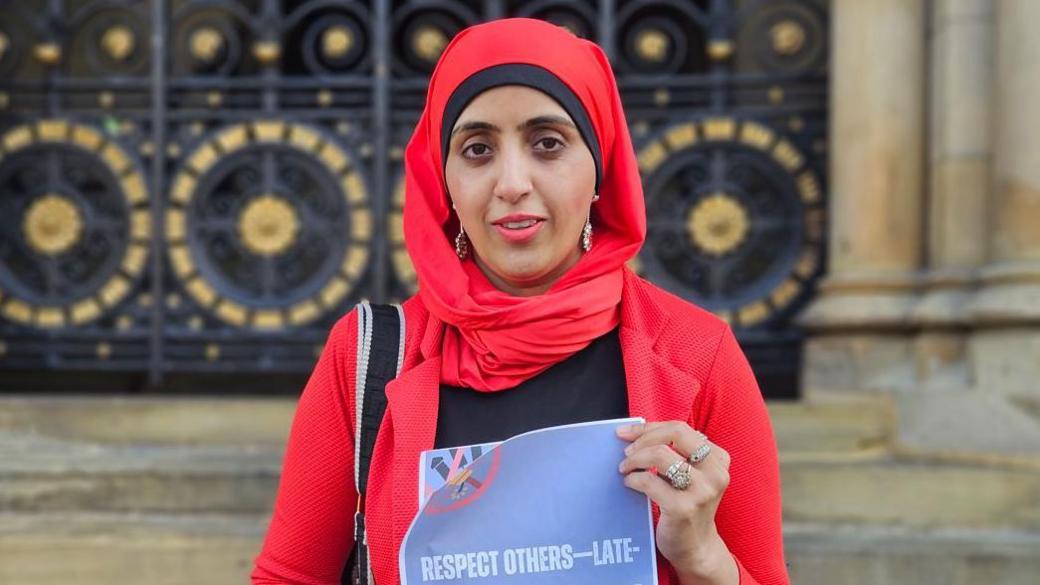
{"type": "Point", "coordinates": [268, 224]}
{"type": "Point", "coordinates": [718, 222]}
{"type": "Point", "coordinates": [56, 222]}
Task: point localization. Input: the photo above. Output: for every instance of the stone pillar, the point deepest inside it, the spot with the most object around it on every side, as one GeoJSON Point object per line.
{"type": "Point", "coordinates": [960, 107]}
{"type": "Point", "coordinates": [859, 323]}
{"type": "Point", "coordinates": [1006, 345]}
{"type": "Point", "coordinates": [947, 399]}
{"type": "Point", "coordinates": [977, 354]}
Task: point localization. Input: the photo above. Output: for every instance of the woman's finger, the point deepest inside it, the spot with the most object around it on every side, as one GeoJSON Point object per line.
{"type": "Point", "coordinates": [679, 435]}
{"type": "Point", "coordinates": [657, 456]}
{"type": "Point", "coordinates": [657, 489]}
{"type": "Point", "coordinates": [704, 484]}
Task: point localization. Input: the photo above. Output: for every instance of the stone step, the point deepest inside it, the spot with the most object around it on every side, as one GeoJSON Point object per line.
{"type": "Point", "coordinates": [49, 475]}
{"type": "Point", "coordinates": [840, 431]}
{"type": "Point", "coordinates": [856, 554]}
{"type": "Point", "coordinates": [151, 419]}
{"type": "Point", "coordinates": [153, 549]}
{"type": "Point", "coordinates": [915, 494]}
{"type": "Point", "coordinates": [834, 463]}
{"type": "Point", "coordinates": [44, 474]}
{"type": "Point", "coordinates": [803, 430]}
{"type": "Point", "coordinates": [99, 548]}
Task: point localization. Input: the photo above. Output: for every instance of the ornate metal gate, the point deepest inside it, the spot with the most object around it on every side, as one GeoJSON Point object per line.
{"type": "Point", "coordinates": [205, 186]}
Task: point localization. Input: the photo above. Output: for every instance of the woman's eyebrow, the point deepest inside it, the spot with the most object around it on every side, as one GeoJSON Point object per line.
{"type": "Point", "coordinates": [531, 123]}
{"type": "Point", "coordinates": [466, 126]}
{"type": "Point", "coordinates": [546, 120]}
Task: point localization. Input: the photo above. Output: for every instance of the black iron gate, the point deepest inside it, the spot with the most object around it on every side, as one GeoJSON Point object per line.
{"type": "Point", "coordinates": [205, 186]}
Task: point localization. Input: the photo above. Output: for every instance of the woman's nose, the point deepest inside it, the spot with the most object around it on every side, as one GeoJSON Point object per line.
{"type": "Point", "coordinates": [514, 179]}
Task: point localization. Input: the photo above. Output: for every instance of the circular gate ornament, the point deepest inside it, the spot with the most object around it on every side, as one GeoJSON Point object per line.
{"type": "Point", "coordinates": [269, 224]}
{"type": "Point", "coordinates": [735, 217]}
{"type": "Point", "coordinates": [717, 224]}
{"type": "Point", "coordinates": [75, 224]}
{"type": "Point", "coordinates": [786, 37]}
{"type": "Point", "coordinates": [421, 31]}
{"type": "Point", "coordinates": [52, 224]}
{"type": "Point", "coordinates": [110, 41]}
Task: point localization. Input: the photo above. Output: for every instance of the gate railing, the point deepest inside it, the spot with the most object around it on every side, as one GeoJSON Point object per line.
{"type": "Point", "coordinates": [206, 186]}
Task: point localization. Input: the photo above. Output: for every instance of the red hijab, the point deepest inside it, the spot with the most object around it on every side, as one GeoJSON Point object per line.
{"type": "Point", "coordinates": [493, 340]}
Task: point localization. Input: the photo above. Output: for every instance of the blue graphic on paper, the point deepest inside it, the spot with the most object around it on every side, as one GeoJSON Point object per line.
{"type": "Point", "coordinates": [543, 508]}
{"type": "Point", "coordinates": [439, 466]}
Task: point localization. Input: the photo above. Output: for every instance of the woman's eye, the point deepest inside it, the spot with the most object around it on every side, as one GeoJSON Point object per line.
{"type": "Point", "coordinates": [549, 143]}
{"type": "Point", "coordinates": [476, 149]}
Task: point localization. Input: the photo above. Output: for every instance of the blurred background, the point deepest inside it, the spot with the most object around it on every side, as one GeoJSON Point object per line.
{"type": "Point", "coordinates": [193, 192]}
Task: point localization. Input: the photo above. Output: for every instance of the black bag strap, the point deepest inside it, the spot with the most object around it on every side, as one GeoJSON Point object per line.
{"type": "Point", "coordinates": [380, 354]}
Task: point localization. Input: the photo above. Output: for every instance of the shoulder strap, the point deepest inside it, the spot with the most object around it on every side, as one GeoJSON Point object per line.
{"type": "Point", "coordinates": [379, 358]}
{"type": "Point", "coordinates": [380, 354]}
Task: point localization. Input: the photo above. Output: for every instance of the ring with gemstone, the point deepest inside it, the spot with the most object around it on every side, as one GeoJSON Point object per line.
{"type": "Point", "coordinates": [678, 474]}
{"type": "Point", "coordinates": [700, 454]}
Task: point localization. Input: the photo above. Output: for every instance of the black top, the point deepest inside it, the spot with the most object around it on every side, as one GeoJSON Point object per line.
{"type": "Point", "coordinates": [589, 385]}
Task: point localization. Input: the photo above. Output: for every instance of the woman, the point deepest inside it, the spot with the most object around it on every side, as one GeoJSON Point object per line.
{"type": "Point", "coordinates": [523, 203]}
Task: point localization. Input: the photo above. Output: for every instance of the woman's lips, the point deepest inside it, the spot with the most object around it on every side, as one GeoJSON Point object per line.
{"type": "Point", "coordinates": [517, 230]}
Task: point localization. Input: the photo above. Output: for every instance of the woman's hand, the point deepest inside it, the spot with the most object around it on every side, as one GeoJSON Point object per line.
{"type": "Point", "coordinates": [686, 533]}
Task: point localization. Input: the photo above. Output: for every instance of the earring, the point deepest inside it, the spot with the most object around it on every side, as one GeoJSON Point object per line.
{"type": "Point", "coordinates": [586, 232]}
{"type": "Point", "coordinates": [586, 235]}
{"type": "Point", "coordinates": [461, 244]}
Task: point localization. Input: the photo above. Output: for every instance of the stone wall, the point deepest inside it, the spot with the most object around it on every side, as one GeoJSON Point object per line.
{"type": "Point", "coordinates": [933, 286]}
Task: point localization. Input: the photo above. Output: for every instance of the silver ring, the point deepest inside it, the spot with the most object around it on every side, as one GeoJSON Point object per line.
{"type": "Point", "coordinates": [700, 454]}
{"type": "Point", "coordinates": [679, 474]}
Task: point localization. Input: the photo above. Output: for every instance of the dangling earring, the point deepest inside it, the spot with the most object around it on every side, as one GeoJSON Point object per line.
{"type": "Point", "coordinates": [586, 234]}
{"type": "Point", "coordinates": [461, 244]}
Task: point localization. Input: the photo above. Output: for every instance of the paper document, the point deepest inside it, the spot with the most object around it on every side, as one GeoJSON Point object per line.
{"type": "Point", "coordinates": [545, 507]}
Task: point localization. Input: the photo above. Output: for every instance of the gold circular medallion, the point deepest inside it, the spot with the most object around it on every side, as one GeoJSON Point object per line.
{"type": "Point", "coordinates": [266, 52]}
{"type": "Point", "coordinates": [717, 224]}
{"type": "Point", "coordinates": [428, 42]}
{"type": "Point", "coordinates": [336, 42]}
{"type": "Point", "coordinates": [206, 43]}
{"type": "Point", "coordinates": [788, 37]}
{"type": "Point", "coordinates": [52, 224]}
{"type": "Point", "coordinates": [720, 49]}
{"type": "Point", "coordinates": [118, 41]}
{"type": "Point", "coordinates": [47, 53]}
{"type": "Point", "coordinates": [268, 225]}
{"type": "Point", "coordinates": [652, 45]}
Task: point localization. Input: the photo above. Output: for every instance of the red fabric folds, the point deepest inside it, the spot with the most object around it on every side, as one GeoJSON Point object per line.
{"type": "Point", "coordinates": [493, 340]}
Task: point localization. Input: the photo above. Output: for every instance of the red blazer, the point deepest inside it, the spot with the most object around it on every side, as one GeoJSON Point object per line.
{"type": "Point", "coordinates": [681, 363]}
